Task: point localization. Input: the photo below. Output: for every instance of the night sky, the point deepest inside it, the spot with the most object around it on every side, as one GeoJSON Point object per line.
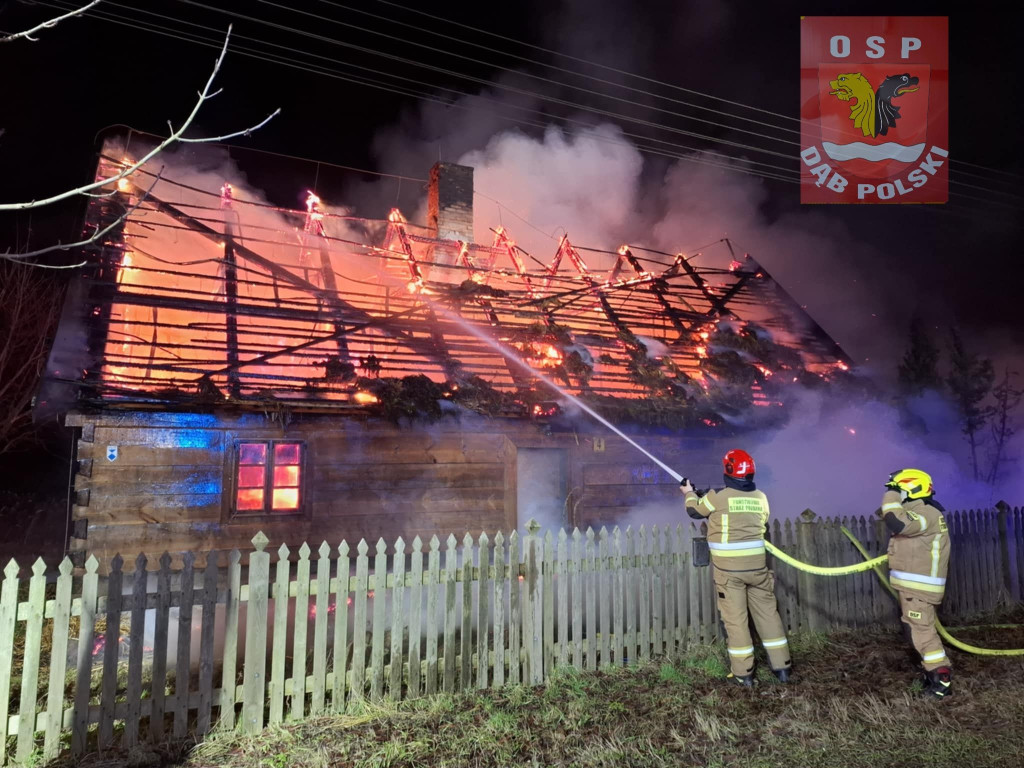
{"type": "Point", "coordinates": [954, 263]}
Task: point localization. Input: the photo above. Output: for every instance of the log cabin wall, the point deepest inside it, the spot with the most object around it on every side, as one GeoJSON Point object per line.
{"type": "Point", "coordinates": [158, 481]}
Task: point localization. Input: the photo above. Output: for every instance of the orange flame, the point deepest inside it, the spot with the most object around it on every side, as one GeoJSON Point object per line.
{"type": "Point", "coordinates": [365, 398]}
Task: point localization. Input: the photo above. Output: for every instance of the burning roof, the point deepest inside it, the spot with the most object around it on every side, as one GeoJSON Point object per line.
{"type": "Point", "coordinates": [207, 295]}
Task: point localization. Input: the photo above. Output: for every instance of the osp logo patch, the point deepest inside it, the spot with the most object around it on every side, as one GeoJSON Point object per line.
{"type": "Point", "coordinates": [874, 120]}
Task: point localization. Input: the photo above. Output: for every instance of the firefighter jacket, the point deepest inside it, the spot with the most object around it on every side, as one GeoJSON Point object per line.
{"type": "Point", "coordinates": [737, 516]}
{"type": "Point", "coordinates": [918, 547]}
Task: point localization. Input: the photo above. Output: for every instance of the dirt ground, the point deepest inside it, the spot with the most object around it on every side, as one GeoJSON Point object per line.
{"type": "Point", "coordinates": [854, 703]}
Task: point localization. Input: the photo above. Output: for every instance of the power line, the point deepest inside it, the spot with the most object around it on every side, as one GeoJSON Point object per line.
{"type": "Point", "coordinates": [488, 83]}
{"type": "Point", "coordinates": [603, 81]}
{"type": "Point", "coordinates": [401, 91]}
{"type": "Point", "coordinates": [631, 74]}
{"type": "Point", "coordinates": [491, 84]}
{"type": "Point", "coordinates": [260, 55]}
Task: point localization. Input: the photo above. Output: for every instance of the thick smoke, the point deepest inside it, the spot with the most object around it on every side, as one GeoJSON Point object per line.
{"type": "Point", "coordinates": [834, 454]}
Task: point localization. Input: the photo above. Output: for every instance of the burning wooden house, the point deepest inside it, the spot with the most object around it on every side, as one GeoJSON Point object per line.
{"type": "Point", "coordinates": [233, 366]}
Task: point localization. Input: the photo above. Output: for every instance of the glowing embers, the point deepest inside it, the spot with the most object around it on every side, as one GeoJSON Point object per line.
{"type": "Point", "coordinates": [268, 477]}
{"type": "Point", "coordinates": [546, 410]}
{"type": "Point", "coordinates": [365, 398]}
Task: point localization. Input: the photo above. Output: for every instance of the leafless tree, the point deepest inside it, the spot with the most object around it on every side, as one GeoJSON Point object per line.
{"type": "Point", "coordinates": [92, 189]}
{"type": "Point", "coordinates": [48, 24]}
{"type": "Point", "coordinates": [1008, 397]}
{"type": "Point", "coordinates": [30, 304]}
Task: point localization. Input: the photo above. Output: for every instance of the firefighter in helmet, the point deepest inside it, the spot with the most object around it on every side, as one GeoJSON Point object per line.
{"type": "Point", "coordinates": [736, 517]}
{"type": "Point", "coordinates": [918, 560]}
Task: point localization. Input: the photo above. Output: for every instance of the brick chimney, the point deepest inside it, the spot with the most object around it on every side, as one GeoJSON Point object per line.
{"type": "Point", "coordinates": [450, 202]}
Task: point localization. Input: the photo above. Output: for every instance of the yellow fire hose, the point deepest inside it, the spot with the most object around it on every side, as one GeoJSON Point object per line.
{"type": "Point", "coordinates": [873, 564]}
{"type": "Point", "coordinates": [938, 624]}
{"type": "Point", "coordinates": [821, 570]}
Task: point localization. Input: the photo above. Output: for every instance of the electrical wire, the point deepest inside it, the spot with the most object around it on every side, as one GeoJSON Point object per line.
{"type": "Point", "coordinates": [635, 75]}
{"type": "Point", "coordinates": [520, 91]}
{"type": "Point", "coordinates": [377, 84]}
{"type": "Point", "coordinates": [263, 56]}
{"type": "Point", "coordinates": [463, 41]}
{"type": "Point", "coordinates": [492, 84]}
{"type": "Point", "coordinates": [509, 70]}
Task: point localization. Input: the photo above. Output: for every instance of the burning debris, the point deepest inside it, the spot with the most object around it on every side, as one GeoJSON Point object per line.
{"type": "Point", "coordinates": [306, 311]}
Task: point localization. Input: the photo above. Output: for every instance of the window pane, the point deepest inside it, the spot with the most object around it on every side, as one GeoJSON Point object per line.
{"type": "Point", "coordinates": [286, 477]}
{"type": "Point", "coordinates": [249, 498]}
{"type": "Point", "coordinates": [252, 453]}
{"type": "Point", "coordinates": [251, 476]}
{"type": "Point", "coordinates": [286, 453]}
{"type": "Point", "coordinates": [286, 498]}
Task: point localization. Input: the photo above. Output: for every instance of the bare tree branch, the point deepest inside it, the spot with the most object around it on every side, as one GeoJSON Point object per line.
{"type": "Point", "coordinates": [91, 239]}
{"type": "Point", "coordinates": [29, 307]}
{"type": "Point", "coordinates": [27, 34]}
{"type": "Point", "coordinates": [175, 136]}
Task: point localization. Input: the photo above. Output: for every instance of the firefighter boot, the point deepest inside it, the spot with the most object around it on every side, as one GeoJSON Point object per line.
{"type": "Point", "coordinates": [782, 674]}
{"type": "Point", "coordinates": [747, 681]}
{"type": "Point", "coordinates": [939, 683]}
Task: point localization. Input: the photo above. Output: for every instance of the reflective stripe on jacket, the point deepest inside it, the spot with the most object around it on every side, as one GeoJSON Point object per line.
{"type": "Point", "coordinates": [919, 552]}
{"type": "Point", "coordinates": [736, 526]}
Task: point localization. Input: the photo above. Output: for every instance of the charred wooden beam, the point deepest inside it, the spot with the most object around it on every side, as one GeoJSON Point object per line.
{"type": "Point", "coordinates": [231, 310]}
{"type": "Point", "coordinates": [340, 306]}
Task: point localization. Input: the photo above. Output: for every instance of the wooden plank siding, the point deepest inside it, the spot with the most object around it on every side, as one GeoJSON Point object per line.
{"type": "Point", "coordinates": [170, 487]}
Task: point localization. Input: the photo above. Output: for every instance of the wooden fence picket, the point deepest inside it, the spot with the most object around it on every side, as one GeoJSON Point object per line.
{"type": "Point", "coordinates": [341, 604]}
{"type": "Point", "coordinates": [323, 610]}
{"type": "Point", "coordinates": [657, 594]}
{"type": "Point", "coordinates": [380, 601]}
{"type": "Point", "coordinates": [562, 574]}
{"type": "Point", "coordinates": [498, 604]}
{"type": "Point", "coordinates": [629, 576]}
{"type": "Point", "coordinates": [548, 596]}
{"type": "Point", "coordinates": [494, 614]}
{"type": "Point", "coordinates": [254, 682]}
{"type": "Point", "coordinates": [397, 622]}
{"type": "Point", "coordinates": [515, 619]}
{"type": "Point", "coordinates": [466, 633]}
{"type": "Point", "coordinates": [618, 597]}
{"type": "Point", "coordinates": [604, 599]}
{"type": "Point", "coordinates": [300, 633]}
{"type": "Point", "coordinates": [590, 609]}
{"type": "Point", "coordinates": [161, 623]}
{"type": "Point", "coordinates": [279, 642]}
{"type": "Point", "coordinates": [451, 570]}
{"type": "Point", "coordinates": [577, 598]}
{"type": "Point", "coordinates": [229, 678]}
{"type": "Point", "coordinates": [483, 611]}
{"type": "Point", "coordinates": [433, 589]}
{"type": "Point", "coordinates": [8, 617]}
{"type": "Point", "coordinates": [358, 690]}
{"type": "Point", "coordinates": [86, 633]}
{"type": "Point", "coordinates": [204, 719]}
{"type": "Point", "coordinates": [136, 635]}
{"type": "Point", "coordinates": [30, 663]}
{"type": "Point", "coordinates": [58, 660]}
{"type": "Point", "coordinates": [112, 648]}
{"type": "Point", "coordinates": [415, 617]}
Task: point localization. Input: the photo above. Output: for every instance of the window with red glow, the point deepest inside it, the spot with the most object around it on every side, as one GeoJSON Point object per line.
{"type": "Point", "coordinates": [268, 478]}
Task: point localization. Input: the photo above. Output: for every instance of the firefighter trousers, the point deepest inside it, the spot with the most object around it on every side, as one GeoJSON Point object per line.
{"type": "Point", "coordinates": [746, 594]}
{"type": "Point", "coordinates": [919, 617]}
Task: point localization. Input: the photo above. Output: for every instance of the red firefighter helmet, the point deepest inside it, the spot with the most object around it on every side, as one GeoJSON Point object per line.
{"type": "Point", "coordinates": [738, 464]}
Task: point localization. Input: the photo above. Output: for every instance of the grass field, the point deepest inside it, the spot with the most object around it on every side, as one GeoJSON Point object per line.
{"type": "Point", "coordinates": [854, 703]}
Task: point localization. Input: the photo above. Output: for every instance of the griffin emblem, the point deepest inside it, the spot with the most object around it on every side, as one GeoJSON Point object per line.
{"type": "Point", "coordinates": [874, 112]}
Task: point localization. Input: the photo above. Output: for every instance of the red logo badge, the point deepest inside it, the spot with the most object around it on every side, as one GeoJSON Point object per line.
{"type": "Point", "coordinates": [874, 123]}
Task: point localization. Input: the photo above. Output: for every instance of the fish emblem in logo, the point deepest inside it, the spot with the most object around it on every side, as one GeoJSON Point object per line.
{"type": "Point", "coordinates": [874, 112]}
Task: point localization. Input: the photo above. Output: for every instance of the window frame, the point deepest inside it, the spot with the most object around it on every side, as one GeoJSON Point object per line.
{"type": "Point", "coordinates": [267, 512]}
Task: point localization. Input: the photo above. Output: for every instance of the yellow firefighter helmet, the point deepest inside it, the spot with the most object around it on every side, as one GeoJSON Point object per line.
{"type": "Point", "coordinates": [916, 484]}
